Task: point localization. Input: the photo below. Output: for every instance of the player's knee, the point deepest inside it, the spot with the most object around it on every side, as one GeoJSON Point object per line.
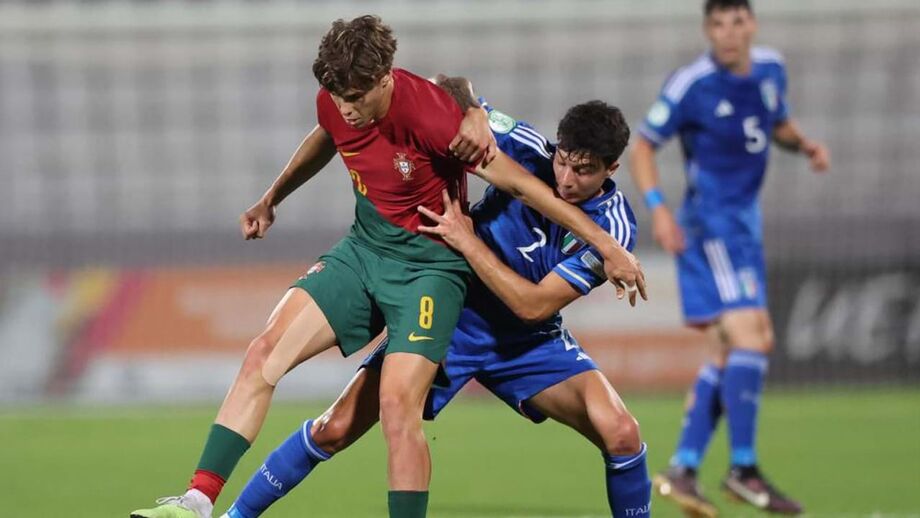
{"type": "Point", "coordinates": [398, 416]}
{"type": "Point", "coordinates": [256, 355]}
{"type": "Point", "coordinates": [622, 435]}
{"type": "Point", "coordinates": [761, 342]}
{"type": "Point", "coordinates": [334, 434]}
{"type": "Point", "coordinates": [768, 340]}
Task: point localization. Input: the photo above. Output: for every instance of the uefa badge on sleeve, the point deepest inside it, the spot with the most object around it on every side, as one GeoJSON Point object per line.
{"type": "Point", "coordinates": [501, 123]}
{"type": "Point", "coordinates": [658, 114]}
{"type": "Point", "coordinates": [316, 268]}
{"type": "Point", "coordinates": [770, 95]}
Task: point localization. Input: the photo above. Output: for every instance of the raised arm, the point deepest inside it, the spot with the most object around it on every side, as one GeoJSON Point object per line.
{"type": "Point", "coordinates": [790, 137]}
{"type": "Point", "coordinates": [531, 302]}
{"type": "Point", "coordinates": [316, 150]}
{"type": "Point", "coordinates": [621, 267]}
{"type": "Point", "coordinates": [644, 171]}
{"type": "Point", "coordinates": [474, 141]}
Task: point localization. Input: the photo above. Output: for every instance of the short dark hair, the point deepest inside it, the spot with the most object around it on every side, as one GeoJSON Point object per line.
{"type": "Point", "coordinates": [712, 5]}
{"type": "Point", "coordinates": [594, 128]}
{"type": "Point", "coordinates": [354, 55]}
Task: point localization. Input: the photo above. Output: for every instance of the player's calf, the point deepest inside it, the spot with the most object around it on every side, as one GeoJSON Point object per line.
{"type": "Point", "coordinates": [628, 485]}
{"type": "Point", "coordinates": [404, 382]}
{"type": "Point", "coordinates": [589, 404]}
{"type": "Point", "coordinates": [401, 421]}
{"type": "Point", "coordinates": [284, 468]}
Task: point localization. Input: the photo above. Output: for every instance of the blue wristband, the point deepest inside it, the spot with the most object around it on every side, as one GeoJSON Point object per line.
{"type": "Point", "coordinates": [653, 198]}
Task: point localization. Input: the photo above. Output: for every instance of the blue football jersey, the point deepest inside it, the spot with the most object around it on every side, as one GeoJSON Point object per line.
{"type": "Point", "coordinates": [725, 123]}
{"type": "Point", "coordinates": [532, 245]}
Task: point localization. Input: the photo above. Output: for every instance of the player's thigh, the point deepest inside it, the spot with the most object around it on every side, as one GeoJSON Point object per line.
{"type": "Point", "coordinates": [295, 331]}
{"type": "Point", "coordinates": [747, 328]}
{"type": "Point", "coordinates": [337, 285]}
{"type": "Point", "coordinates": [356, 411]}
{"type": "Point", "coordinates": [589, 404]}
{"type": "Point", "coordinates": [453, 373]}
{"type": "Point", "coordinates": [420, 309]}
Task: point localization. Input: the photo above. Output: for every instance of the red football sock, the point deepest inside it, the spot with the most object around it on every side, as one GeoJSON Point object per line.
{"type": "Point", "coordinates": [208, 483]}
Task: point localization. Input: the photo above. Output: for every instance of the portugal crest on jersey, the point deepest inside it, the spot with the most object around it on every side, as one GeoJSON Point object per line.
{"type": "Point", "coordinates": [404, 166]}
{"type": "Point", "coordinates": [571, 244]}
{"type": "Point", "coordinates": [770, 94]}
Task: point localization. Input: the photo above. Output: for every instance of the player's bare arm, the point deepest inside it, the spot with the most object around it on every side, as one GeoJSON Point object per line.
{"type": "Point", "coordinates": [316, 150]}
{"type": "Point", "coordinates": [621, 267]}
{"type": "Point", "coordinates": [531, 302]}
{"type": "Point", "coordinates": [665, 230]}
{"type": "Point", "coordinates": [789, 136]}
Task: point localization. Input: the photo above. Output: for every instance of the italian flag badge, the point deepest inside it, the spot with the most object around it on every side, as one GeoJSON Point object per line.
{"type": "Point", "coordinates": [571, 244]}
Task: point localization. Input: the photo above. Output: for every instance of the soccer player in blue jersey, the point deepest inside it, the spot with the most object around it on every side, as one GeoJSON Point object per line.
{"type": "Point", "coordinates": [726, 107]}
{"type": "Point", "coordinates": [510, 335]}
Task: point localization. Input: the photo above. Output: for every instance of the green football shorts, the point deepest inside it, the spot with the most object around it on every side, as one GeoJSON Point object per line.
{"type": "Point", "coordinates": [360, 292]}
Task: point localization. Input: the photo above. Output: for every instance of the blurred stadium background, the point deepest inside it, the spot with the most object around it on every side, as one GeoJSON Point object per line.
{"type": "Point", "coordinates": [132, 134]}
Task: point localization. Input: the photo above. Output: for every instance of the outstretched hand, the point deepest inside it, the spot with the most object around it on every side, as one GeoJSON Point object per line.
{"type": "Point", "coordinates": [454, 227]}
{"type": "Point", "coordinates": [818, 155]}
{"type": "Point", "coordinates": [626, 275]}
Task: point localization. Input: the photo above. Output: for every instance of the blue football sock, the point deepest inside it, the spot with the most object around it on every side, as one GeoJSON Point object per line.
{"type": "Point", "coordinates": [282, 470]}
{"type": "Point", "coordinates": [629, 490]}
{"type": "Point", "coordinates": [700, 419]}
{"type": "Point", "coordinates": [742, 384]}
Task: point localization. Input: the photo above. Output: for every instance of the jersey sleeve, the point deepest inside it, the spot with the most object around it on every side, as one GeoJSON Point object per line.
{"type": "Point", "coordinates": [584, 269]}
{"type": "Point", "coordinates": [664, 118]}
{"type": "Point", "coordinates": [520, 141]}
{"type": "Point", "coordinates": [782, 108]}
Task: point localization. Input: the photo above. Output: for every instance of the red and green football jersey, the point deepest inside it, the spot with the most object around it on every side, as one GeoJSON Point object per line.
{"type": "Point", "coordinates": [398, 163]}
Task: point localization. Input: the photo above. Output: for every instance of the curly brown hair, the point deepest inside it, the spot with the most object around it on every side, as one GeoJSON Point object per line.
{"type": "Point", "coordinates": [354, 55]}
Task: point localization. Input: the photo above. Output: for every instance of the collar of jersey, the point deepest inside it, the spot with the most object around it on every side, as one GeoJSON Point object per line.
{"type": "Point", "coordinates": [610, 189]}
{"type": "Point", "coordinates": [724, 73]}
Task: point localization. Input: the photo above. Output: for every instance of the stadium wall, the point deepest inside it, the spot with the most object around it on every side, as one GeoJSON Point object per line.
{"type": "Point", "coordinates": [133, 134]}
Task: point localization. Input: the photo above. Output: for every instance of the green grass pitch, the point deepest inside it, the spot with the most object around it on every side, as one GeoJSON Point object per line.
{"type": "Point", "coordinates": [846, 454]}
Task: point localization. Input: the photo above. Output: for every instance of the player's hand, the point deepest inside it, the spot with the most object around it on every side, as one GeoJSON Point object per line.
{"type": "Point", "coordinates": [666, 231]}
{"type": "Point", "coordinates": [475, 142]}
{"type": "Point", "coordinates": [255, 221]}
{"type": "Point", "coordinates": [625, 273]}
{"type": "Point", "coordinates": [454, 227]}
{"type": "Point", "coordinates": [818, 155]}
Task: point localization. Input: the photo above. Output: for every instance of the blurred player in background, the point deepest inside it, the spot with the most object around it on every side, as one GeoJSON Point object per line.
{"type": "Point", "coordinates": [726, 107]}
{"type": "Point", "coordinates": [394, 131]}
{"type": "Point", "coordinates": [510, 336]}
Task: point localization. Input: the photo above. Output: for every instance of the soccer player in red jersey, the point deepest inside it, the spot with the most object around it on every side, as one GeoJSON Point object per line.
{"type": "Point", "coordinates": [395, 132]}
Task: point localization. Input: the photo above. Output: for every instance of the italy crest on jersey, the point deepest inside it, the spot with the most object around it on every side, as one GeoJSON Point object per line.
{"type": "Point", "coordinates": [404, 166]}
{"type": "Point", "coordinates": [770, 94]}
{"type": "Point", "coordinates": [571, 244]}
